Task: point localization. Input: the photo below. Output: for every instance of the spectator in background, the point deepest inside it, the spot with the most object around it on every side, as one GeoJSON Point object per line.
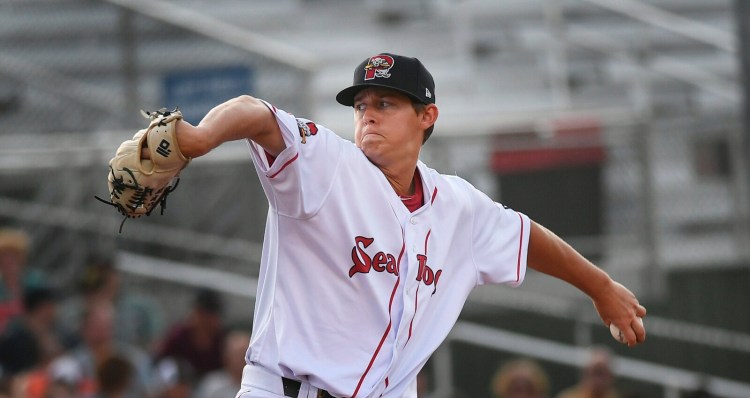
{"type": "Point", "coordinates": [174, 378]}
{"type": "Point", "coordinates": [138, 319]}
{"type": "Point", "coordinates": [199, 338]}
{"type": "Point", "coordinates": [520, 378]}
{"type": "Point", "coordinates": [114, 377]}
{"type": "Point", "coordinates": [597, 379]}
{"type": "Point", "coordinates": [60, 379]}
{"type": "Point", "coordinates": [30, 340]}
{"type": "Point", "coordinates": [64, 379]}
{"type": "Point", "coordinates": [5, 386]}
{"type": "Point", "coordinates": [226, 381]}
{"type": "Point", "coordinates": [14, 276]}
{"type": "Point", "coordinates": [98, 345]}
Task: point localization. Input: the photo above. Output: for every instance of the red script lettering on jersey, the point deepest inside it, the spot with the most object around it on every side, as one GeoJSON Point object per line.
{"type": "Point", "coordinates": [363, 263]}
{"type": "Point", "coordinates": [386, 262]}
{"type": "Point", "coordinates": [426, 274]}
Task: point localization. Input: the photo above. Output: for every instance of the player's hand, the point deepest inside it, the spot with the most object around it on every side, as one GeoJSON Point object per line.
{"type": "Point", "coordinates": [618, 305]}
{"type": "Point", "coordinates": [145, 169]}
{"type": "Point", "coordinates": [145, 153]}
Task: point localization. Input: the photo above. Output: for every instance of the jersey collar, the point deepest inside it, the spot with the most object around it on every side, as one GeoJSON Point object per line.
{"type": "Point", "coordinates": [428, 183]}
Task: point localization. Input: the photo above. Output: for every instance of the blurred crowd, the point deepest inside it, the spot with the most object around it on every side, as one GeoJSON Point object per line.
{"type": "Point", "coordinates": [100, 341]}
{"type": "Point", "coordinates": [525, 378]}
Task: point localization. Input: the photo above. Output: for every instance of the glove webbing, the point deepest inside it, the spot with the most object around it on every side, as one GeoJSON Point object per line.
{"type": "Point", "coordinates": [119, 186]}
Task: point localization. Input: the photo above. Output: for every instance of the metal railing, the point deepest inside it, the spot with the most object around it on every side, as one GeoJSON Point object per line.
{"type": "Point", "coordinates": [221, 31]}
{"type": "Point", "coordinates": [655, 16]}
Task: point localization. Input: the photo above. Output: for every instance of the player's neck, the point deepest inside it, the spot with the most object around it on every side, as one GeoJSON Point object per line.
{"type": "Point", "coordinates": [402, 186]}
{"type": "Point", "coordinates": [402, 183]}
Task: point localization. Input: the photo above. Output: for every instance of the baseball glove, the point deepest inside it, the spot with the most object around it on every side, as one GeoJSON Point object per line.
{"type": "Point", "coordinates": [137, 183]}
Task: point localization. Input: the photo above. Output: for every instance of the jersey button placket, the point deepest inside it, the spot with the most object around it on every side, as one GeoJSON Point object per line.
{"type": "Point", "coordinates": [410, 268]}
{"type": "Point", "coordinates": [414, 246]}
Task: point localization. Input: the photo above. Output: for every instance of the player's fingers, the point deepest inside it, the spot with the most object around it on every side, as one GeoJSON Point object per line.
{"type": "Point", "coordinates": [640, 311]}
{"type": "Point", "coordinates": [640, 330]}
{"type": "Point", "coordinates": [635, 333]}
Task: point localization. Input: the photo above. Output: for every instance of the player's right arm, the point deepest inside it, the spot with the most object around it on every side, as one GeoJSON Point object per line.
{"type": "Point", "coordinates": [243, 117]}
{"type": "Point", "coordinates": [616, 304]}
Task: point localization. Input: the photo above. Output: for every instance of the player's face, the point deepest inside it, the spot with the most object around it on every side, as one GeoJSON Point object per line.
{"type": "Point", "coordinates": [386, 126]}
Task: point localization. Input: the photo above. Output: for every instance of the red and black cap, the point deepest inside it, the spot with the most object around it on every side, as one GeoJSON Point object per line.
{"type": "Point", "coordinates": [397, 72]}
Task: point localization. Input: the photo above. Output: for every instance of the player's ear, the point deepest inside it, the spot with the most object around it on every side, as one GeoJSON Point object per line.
{"type": "Point", "coordinates": [429, 116]}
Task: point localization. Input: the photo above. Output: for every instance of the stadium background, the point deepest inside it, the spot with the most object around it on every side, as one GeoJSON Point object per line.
{"type": "Point", "coordinates": [619, 124]}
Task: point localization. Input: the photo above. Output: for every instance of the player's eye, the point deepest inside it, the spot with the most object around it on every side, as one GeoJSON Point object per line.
{"type": "Point", "coordinates": [359, 107]}
{"type": "Point", "coordinates": [385, 104]}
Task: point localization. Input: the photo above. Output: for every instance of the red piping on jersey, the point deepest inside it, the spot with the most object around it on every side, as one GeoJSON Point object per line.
{"type": "Point", "coordinates": [416, 304]}
{"type": "Point", "coordinates": [393, 294]}
{"type": "Point", "coordinates": [520, 246]}
{"type": "Point", "coordinates": [387, 330]}
{"type": "Point", "coordinates": [398, 262]}
{"type": "Point", "coordinates": [377, 351]}
{"type": "Point", "coordinates": [426, 238]}
{"type": "Point", "coordinates": [434, 195]}
{"type": "Point", "coordinates": [288, 162]}
{"type": "Point", "coordinates": [398, 280]}
{"type": "Point", "coordinates": [416, 301]}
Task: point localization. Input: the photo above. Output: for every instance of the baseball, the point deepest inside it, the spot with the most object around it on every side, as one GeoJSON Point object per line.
{"type": "Point", "coordinates": [617, 333]}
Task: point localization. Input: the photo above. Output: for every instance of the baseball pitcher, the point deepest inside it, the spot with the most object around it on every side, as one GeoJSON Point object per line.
{"type": "Point", "coordinates": [369, 254]}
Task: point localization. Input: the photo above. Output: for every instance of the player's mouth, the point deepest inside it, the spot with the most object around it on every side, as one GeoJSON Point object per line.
{"type": "Point", "coordinates": [367, 132]}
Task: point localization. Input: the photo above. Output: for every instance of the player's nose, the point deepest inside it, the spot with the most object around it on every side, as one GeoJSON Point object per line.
{"type": "Point", "coordinates": [369, 116]}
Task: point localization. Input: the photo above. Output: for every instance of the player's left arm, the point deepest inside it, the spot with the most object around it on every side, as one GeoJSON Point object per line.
{"type": "Point", "coordinates": [243, 117]}
{"type": "Point", "coordinates": [549, 254]}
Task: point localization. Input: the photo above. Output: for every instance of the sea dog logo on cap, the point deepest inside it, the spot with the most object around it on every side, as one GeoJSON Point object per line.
{"type": "Point", "coordinates": [379, 66]}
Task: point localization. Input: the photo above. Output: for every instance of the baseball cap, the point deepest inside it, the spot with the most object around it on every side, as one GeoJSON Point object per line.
{"type": "Point", "coordinates": [404, 74]}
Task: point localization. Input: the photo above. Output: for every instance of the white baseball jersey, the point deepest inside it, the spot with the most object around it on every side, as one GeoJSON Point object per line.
{"type": "Point", "coordinates": [355, 291]}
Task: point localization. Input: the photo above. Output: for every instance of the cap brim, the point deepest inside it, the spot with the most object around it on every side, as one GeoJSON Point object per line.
{"type": "Point", "coordinates": [346, 96]}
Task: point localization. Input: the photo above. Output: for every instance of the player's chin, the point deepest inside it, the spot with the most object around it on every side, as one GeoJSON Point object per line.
{"type": "Point", "coordinates": [373, 152]}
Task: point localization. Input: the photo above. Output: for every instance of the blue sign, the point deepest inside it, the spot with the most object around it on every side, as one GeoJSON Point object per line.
{"type": "Point", "coordinates": [195, 92]}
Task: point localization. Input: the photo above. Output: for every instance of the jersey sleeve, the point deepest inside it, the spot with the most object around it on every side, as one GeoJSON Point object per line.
{"type": "Point", "coordinates": [298, 180]}
{"type": "Point", "coordinates": [500, 238]}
